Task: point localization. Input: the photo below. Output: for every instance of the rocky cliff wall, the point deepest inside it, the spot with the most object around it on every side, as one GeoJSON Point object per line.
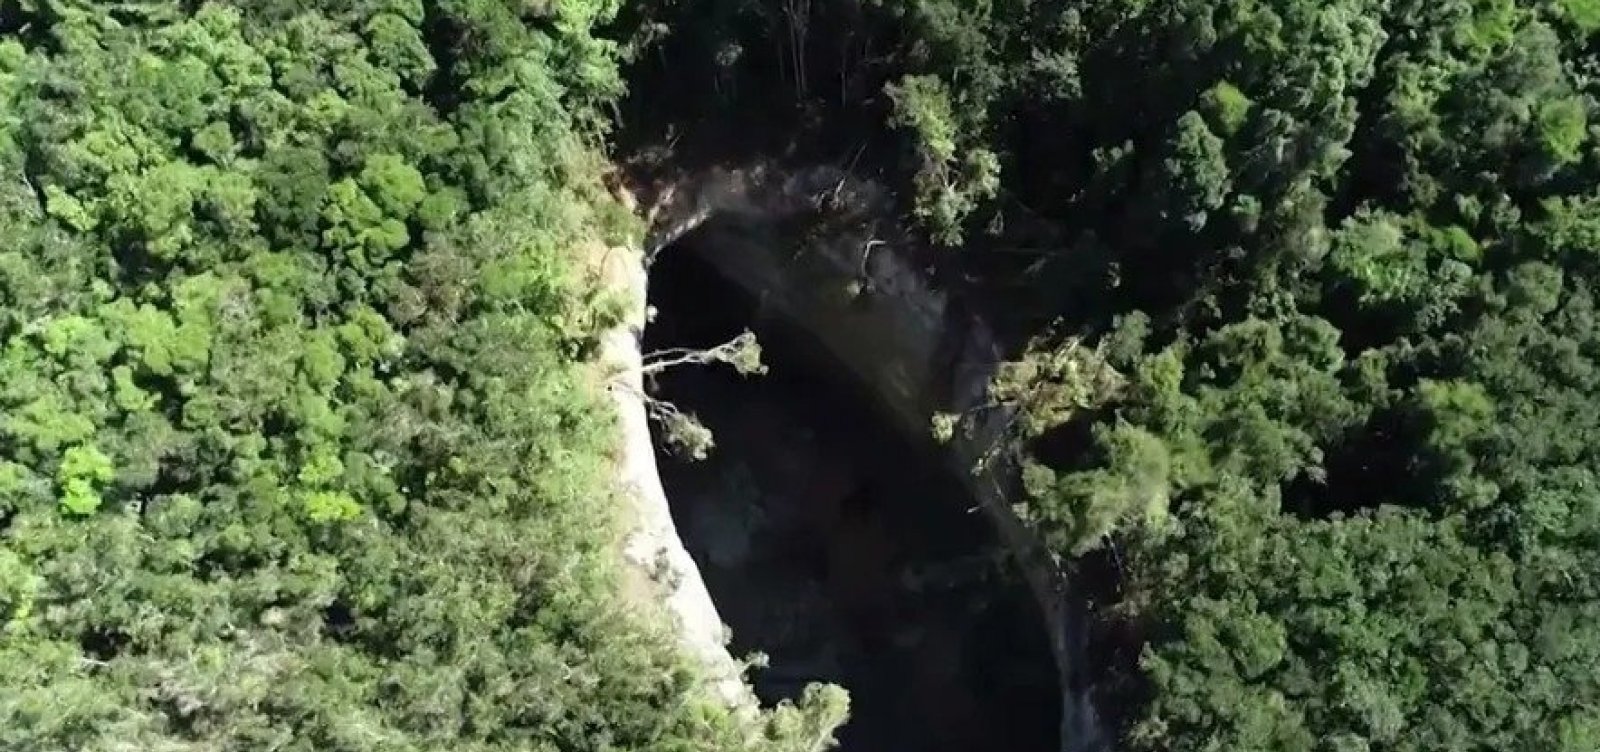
{"type": "Point", "coordinates": [877, 313]}
{"type": "Point", "coordinates": [659, 563]}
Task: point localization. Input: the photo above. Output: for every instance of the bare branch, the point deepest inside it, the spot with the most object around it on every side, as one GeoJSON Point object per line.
{"type": "Point", "coordinates": [682, 432]}
{"type": "Point", "coordinates": [742, 352]}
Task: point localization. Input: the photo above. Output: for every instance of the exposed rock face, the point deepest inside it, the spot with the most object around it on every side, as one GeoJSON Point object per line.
{"type": "Point", "coordinates": [914, 349]}
{"type": "Point", "coordinates": [837, 548]}
{"type": "Point", "coordinates": [653, 546]}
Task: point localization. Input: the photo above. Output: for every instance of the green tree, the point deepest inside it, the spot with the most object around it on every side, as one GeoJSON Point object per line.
{"type": "Point", "coordinates": [297, 446]}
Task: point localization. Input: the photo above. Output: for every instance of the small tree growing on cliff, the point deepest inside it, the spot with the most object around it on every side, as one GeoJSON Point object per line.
{"type": "Point", "coordinates": [1040, 390]}
{"type": "Point", "coordinates": [683, 432]}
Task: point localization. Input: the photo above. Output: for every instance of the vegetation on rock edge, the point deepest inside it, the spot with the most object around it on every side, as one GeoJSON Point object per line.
{"type": "Point", "coordinates": [299, 449]}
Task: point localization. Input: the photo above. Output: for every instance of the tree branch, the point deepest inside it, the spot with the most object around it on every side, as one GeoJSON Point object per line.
{"type": "Point", "coordinates": [741, 352]}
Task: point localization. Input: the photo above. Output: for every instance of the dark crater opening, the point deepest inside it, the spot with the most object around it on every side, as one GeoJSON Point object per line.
{"type": "Point", "coordinates": [839, 547]}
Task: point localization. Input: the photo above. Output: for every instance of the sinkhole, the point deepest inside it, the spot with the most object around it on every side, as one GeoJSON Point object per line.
{"type": "Point", "coordinates": [839, 546]}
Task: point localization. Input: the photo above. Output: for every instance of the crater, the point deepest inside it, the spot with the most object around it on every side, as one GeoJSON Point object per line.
{"type": "Point", "coordinates": [837, 545]}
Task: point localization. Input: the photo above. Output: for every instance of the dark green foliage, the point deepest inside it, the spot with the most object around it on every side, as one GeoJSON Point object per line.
{"type": "Point", "coordinates": [1343, 255]}
{"type": "Point", "coordinates": [1345, 487]}
{"type": "Point", "coordinates": [296, 451]}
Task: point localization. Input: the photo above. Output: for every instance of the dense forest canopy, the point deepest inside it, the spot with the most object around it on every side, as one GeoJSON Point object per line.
{"type": "Point", "coordinates": [1311, 288]}
{"type": "Point", "coordinates": [300, 448]}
